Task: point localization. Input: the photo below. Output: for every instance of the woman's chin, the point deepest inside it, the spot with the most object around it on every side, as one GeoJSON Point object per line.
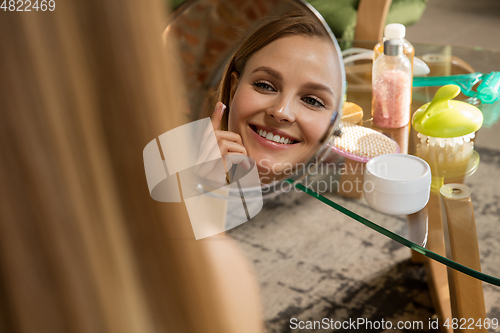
{"type": "Point", "coordinates": [272, 170]}
{"type": "Point", "coordinates": [278, 165]}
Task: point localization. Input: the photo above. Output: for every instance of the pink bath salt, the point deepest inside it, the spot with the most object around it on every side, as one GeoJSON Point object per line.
{"type": "Point", "coordinates": [391, 99]}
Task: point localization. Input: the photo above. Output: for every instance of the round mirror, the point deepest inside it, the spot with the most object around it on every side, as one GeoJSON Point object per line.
{"type": "Point", "coordinates": [270, 76]}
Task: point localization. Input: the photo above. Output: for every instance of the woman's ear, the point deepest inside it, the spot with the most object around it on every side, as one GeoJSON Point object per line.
{"type": "Point", "coordinates": [234, 85]}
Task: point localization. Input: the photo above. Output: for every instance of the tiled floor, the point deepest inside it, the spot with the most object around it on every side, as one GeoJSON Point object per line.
{"type": "Point", "coordinates": [459, 22]}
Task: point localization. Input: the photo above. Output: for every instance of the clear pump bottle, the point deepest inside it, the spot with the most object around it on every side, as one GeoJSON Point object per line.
{"type": "Point", "coordinates": [391, 87]}
{"type": "Point", "coordinates": [396, 31]}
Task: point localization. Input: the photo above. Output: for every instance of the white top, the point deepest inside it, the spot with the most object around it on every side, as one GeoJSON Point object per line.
{"type": "Point", "coordinates": [398, 167]}
{"type": "Point", "coordinates": [398, 173]}
{"type": "Point", "coordinates": [394, 30]}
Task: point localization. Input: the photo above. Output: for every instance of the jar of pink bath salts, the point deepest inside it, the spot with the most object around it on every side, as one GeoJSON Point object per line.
{"type": "Point", "coordinates": [391, 87]}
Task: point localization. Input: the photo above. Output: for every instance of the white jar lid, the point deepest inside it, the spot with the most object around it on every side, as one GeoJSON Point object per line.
{"type": "Point", "coordinates": [398, 174]}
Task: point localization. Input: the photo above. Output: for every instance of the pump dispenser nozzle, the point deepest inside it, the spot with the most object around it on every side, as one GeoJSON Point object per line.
{"type": "Point", "coordinates": [394, 31]}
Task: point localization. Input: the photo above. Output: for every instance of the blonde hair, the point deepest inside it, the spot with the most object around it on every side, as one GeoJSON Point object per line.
{"type": "Point", "coordinates": [83, 247]}
{"type": "Point", "coordinates": [294, 23]}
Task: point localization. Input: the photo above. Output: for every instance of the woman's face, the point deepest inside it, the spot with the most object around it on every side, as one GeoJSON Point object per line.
{"type": "Point", "coordinates": [282, 104]}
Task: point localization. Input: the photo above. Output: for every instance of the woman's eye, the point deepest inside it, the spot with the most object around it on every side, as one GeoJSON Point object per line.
{"type": "Point", "coordinates": [263, 86]}
{"type": "Point", "coordinates": [313, 101]}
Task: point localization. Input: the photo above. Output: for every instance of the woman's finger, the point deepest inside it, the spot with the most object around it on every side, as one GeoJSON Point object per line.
{"type": "Point", "coordinates": [230, 136]}
{"type": "Point", "coordinates": [217, 115]}
{"type": "Point", "coordinates": [226, 147]}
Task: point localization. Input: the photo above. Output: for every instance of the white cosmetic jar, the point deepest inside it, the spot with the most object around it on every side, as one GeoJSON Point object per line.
{"type": "Point", "coordinates": [397, 184]}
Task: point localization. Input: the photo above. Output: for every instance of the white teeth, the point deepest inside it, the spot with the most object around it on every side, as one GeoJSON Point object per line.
{"type": "Point", "coordinates": [273, 137]}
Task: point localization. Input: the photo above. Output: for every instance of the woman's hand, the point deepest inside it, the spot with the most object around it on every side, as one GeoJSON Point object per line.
{"type": "Point", "coordinates": [230, 144]}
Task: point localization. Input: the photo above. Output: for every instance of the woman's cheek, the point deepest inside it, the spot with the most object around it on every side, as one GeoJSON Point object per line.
{"type": "Point", "coordinates": [241, 100]}
{"type": "Point", "coordinates": [314, 127]}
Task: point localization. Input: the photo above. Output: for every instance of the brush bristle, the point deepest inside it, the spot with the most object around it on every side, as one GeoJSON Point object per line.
{"type": "Point", "coordinates": [364, 142]}
{"type": "Point", "coordinates": [445, 150]}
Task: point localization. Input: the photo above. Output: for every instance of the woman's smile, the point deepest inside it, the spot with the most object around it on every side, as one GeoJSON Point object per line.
{"type": "Point", "coordinates": [274, 135]}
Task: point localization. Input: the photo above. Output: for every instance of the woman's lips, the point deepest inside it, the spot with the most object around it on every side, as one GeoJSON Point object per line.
{"type": "Point", "coordinates": [268, 143]}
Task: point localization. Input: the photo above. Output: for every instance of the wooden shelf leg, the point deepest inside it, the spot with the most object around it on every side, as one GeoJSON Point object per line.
{"type": "Point", "coordinates": [436, 272]}
{"type": "Point", "coordinates": [466, 292]}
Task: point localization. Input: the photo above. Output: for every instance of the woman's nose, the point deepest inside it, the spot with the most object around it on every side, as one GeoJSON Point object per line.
{"type": "Point", "coordinates": [282, 111]}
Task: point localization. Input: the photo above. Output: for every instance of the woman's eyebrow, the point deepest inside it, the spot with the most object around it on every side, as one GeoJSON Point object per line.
{"type": "Point", "coordinates": [319, 86]}
{"type": "Point", "coordinates": [269, 71]}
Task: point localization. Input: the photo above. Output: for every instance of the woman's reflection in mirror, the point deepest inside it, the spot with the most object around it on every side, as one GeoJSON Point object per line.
{"type": "Point", "coordinates": [277, 95]}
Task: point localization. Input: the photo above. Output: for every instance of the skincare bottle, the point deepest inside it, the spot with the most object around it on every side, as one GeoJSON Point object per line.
{"type": "Point", "coordinates": [396, 31]}
{"type": "Point", "coordinates": [391, 87]}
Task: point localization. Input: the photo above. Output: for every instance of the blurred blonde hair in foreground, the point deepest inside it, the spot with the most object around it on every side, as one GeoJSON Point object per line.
{"type": "Point", "coordinates": [83, 247]}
